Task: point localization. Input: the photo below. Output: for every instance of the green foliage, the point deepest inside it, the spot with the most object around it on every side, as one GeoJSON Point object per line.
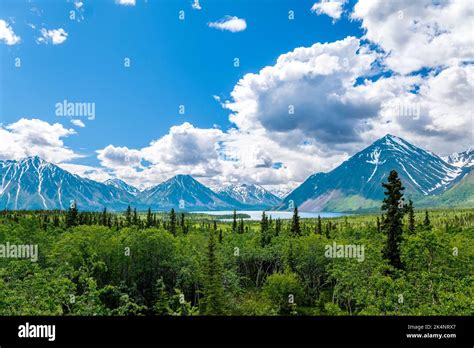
{"type": "Point", "coordinates": [284, 291]}
{"type": "Point", "coordinates": [72, 215]}
{"type": "Point", "coordinates": [213, 287]}
{"type": "Point", "coordinates": [295, 223]}
{"type": "Point", "coordinates": [172, 225]}
{"type": "Point", "coordinates": [118, 264]}
{"type": "Point", "coordinates": [411, 217]}
{"type": "Point", "coordinates": [392, 224]}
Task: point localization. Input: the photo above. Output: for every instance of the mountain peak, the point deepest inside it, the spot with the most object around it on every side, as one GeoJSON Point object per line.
{"type": "Point", "coordinates": [392, 139]}
{"type": "Point", "coordinates": [35, 158]}
{"type": "Point", "coordinates": [181, 179]}
{"type": "Point", "coordinates": [35, 161]}
{"type": "Point", "coordinates": [463, 159]}
{"type": "Point", "coordinates": [122, 185]}
{"type": "Point", "coordinates": [356, 183]}
{"type": "Point", "coordinates": [250, 194]}
{"type": "Point", "coordinates": [182, 176]}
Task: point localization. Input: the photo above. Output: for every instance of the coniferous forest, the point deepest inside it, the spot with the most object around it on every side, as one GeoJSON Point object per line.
{"type": "Point", "coordinates": [403, 261]}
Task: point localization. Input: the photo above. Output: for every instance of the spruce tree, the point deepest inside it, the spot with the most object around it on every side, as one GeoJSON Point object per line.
{"type": "Point", "coordinates": [241, 226]}
{"type": "Point", "coordinates": [320, 226]}
{"type": "Point", "coordinates": [135, 216]}
{"type": "Point", "coordinates": [234, 222]}
{"type": "Point", "coordinates": [213, 287]}
{"type": "Point", "coordinates": [295, 223]}
{"type": "Point", "coordinates": [172, 225]}
{"type": "Point", "coordinates": [71, 215]}
{"type": "Point", "coordinates": [427, 221]}
{"type": "Point", "coordinates": [103, 220]}
{"type": "Point", "coordinates": [264, 240]}
{"type": "Point", "coordinates": [161, 306]}
{"type": "Point", "coordinates": [411, 217]}
{"type": "Point", "coordinates": [183, 223]}
{"type": "Point", "coordinates": [264, 223]}
{"type": "Point", "coordinates": [128, 216]}
{"type": "Point", "coordinates": [149, 219]}
{"type": "Point", "coordinates": [392, 225]}
{"type": "Point", "coordinates": [277, 227]}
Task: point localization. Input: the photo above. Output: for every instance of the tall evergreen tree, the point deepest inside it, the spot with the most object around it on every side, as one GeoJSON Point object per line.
{"type": "Point", "coordinates": [295, 223]}
{"type": "Point", "coordinates": [427, 221]}
{"type": "Point", "coordinates": [234, 222]}
{"type": "Point", "coordinates": [241, 226]}
{"type": "Point", "coordinates": [172, 224]}
{"type": "Point", "coordinates": [320, 226]}
{"type": "Point", "coordinates": [213, 286]}
{"type": "Point", "coordinates": [277, 227]}
{"type": "Point", "coordinates": [128, 216]}
{"type": "Point", "coordinates": [103, 220]}
{"type": "Point", "coordinates": [72, 215]}
{"type": "Point", "coordinates": [149, 219]}
{"type": "Point", "coordinates": [135, 216]}
{"type": "Point", "coordinates": [264, 237]}
{"type": "Point", "coordinates": [161, 306]}
{"type": "Point", "coordinates": [182, 222]}
{"type": "Point", "coordinates": [264, 223]}
{"type": "Point", "coordinates": [411, 217]}
{"type": "Point", "coordinates": [392, 225]}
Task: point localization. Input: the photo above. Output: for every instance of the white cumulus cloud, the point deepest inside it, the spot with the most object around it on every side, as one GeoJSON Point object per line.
{"type": "Point", "coordinates": [229, 23]}
{"type": "Point", "coordinates": [54, 36]}
{"type": "Point", "coordinates": [30, 137]}
{"type": "Point", "coordinates": [196, 5]}
{"type": "Point", "coordinates": [417, 34]}
{"type": "Point", "coordinates": [331, 8]}
{"type": "Point", "coordinates": [7, 35]}
{"type": "Point", "coordinates": [126, 2]}
{"type": "Point", "coordinates": [78, 123]}
{"type": "Point", "coordinates": [112, 157]}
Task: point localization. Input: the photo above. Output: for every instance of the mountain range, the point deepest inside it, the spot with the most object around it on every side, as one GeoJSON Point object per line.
{"type": "Point", "coordinates": [32, 183]}
{"type": "Point", "coordinates": [353, 186]}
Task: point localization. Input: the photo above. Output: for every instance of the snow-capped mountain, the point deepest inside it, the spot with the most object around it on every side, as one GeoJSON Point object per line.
{"type": "Point", "coordinates": [33, 183]}
{"type": "Point", "coordinates": [254, 196]}
{"type": "Point", "coordinates": [183, 192]}
{"type": "Point", "coordinates": [122, 185]}
{"type": "Point", "coordinates": [356, 183]}
{"type": "Point", "coordinates": [463, 159]}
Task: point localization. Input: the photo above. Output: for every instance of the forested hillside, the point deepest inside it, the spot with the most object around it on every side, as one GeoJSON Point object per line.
{"type": "Point", "coordinates": [174, 264]}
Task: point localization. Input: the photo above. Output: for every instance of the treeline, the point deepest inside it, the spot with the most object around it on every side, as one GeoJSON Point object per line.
{"type": "Point", "coordinates": [130, 263]}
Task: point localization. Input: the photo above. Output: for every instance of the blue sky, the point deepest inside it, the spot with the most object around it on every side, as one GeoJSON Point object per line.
{"type": "Point", "coordinates": [173, 62]}
{"type": "Point", "coordinates": [186, 62]}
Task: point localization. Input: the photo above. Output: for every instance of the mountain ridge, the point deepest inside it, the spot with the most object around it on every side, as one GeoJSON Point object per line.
{"type": "Point", "coordinates": [352, 186]}
{"type": "Point", "coordinates": [355, 184]}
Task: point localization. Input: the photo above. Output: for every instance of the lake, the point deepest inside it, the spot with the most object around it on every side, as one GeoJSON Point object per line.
{"type": "Point", "coordinates": [256, 215]}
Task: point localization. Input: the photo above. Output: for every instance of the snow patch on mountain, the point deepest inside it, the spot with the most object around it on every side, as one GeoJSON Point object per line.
{"type": "Point", "coordinates": [463, 159]}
